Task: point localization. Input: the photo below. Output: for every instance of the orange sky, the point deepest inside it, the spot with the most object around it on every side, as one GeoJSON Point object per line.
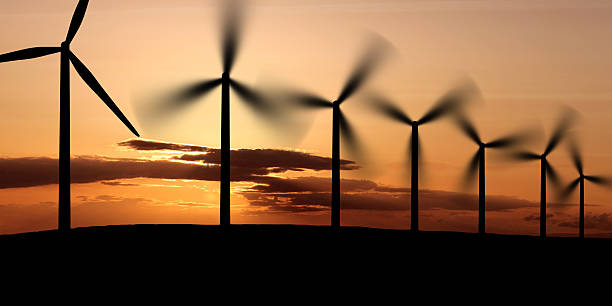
{"type": "Point", "coordinates": [527, 57]}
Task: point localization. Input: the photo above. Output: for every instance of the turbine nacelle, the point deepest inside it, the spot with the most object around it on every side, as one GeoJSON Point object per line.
{"type": "Point", "coordinates": [65, 46]}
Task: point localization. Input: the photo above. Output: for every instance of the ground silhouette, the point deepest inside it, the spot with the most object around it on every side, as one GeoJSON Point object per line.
{"type": "Point", "coordinates": [289, 253]}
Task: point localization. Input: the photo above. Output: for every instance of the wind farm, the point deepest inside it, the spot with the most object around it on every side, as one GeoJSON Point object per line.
{"type": "Point", "coordinates": [198, 181]}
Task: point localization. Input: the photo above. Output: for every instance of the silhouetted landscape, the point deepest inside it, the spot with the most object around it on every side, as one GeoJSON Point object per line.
{"type": "Point", "coordinates": [275, 236]}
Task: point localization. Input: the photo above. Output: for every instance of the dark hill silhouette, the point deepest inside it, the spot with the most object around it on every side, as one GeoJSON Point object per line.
{"type": "Point", "coordinates": [287, 253]}
{"type": "Point", "coordinates": [204, 236]}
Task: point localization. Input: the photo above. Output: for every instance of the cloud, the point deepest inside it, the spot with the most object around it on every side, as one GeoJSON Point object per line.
{"type": "Point", "coordinates": [273, 193]}
{"type": "Point", "coordinates": [536, 217]}
{"type": "Point", "coordinates": [116, 183]}
{"type": "Point", "coordinates": [247, 165]}
{"type": "Point", "coordinates": [313, 194]}
{"type": "Point", "coordinates": [274, 159]}
{"type": "Point", "coordinates": [600, 222]}
{"type": "Point", "coordinates": [308, 184]}
{"type": "Point", "coordinates": [150, 145]}
{"type": "Point", "coordinates": [38, 171]}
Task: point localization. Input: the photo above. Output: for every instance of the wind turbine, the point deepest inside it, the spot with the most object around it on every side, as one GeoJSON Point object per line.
{"type": "Point", "coordinates": [477, 163]}
{"type": "Point", "coordinates": [451, 102]}
{"type": "Point", "coordinates": [562, 128]}
{"type": "Point", "coordinates": [341, 128]}
{"type": "Point", "coordinates": [599, 180]}
{"type": "Point", "coordinates": [231, 30]}
{"type": "Point", "coordinates": [67, 57]}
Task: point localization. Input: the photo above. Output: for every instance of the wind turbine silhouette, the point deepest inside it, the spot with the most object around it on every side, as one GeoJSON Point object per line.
{"type": "Point", "coordinates": [366, 65]}
{"type": "Point", "coordinates": [231, 30]}
{"type": "Point", "coordinates": [477, 163]}
{"type": "Point", "coordinates": [599, 180]}
{"type": "Point", "coordinates": [451, 102]}
{"type": "Point", "coordinates": [67, 57]}
{"type": "Point", "coordinates": [562, 128]}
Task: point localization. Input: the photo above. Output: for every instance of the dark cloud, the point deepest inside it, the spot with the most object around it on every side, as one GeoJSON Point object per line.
{"type": "Point", "coordinates": [536, 217]}
{"type": "Point", "coordinates": [273, 159]}
{"type": "Point", "coordinates": [302, 194]}
{"type": "Point", "coordinates": [37, 171]}
{"type": "Point", "coordinates": [115, 183]}
{"type": "Point", "coordinates": [600, 222]}
{"type": "Point", "coordinates": [149, 145]}
{"type": "Point", "coordinates": [308, 184]}
{"type": "Point", "coordinates": [391, 189]}
{"type": "Point", "coordinates": [247, 165]}
{"type": "Point", "coordinates": [313, 194]}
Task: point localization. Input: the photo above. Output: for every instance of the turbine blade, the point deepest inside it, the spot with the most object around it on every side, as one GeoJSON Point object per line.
{"type": "Point", "coordinates": [467, 128]}
{"type": "Point", "coordinates": [524, 156]}
{"type": "Point", "coordinates": [252, 97]}
{"type": "Point", "coordinates": [511, 140]}
{"type": "Point", "coordinates": [28, 53]}
{"type": "Point", "coordinates": [471, 170]}
{"type": "Point", "coordinates": [91, 81]}
{"type": "Point", "coordinates": [576, 156]}
{"type": "Point", "coordinates": [313, 101]}
{"type": "Point", "coordinates": [189, 93]}
{"type": "Point", "coordinates": [286, 117]}
{"type": "Point", "coordinates": [389, 109]}
{"type": "Point", "coordinates": [553, 176]}
{"type": "Point", "coordinates": [452, 101]}
{"type": "Point", "coordinates": [567, 191]}
{"type": "Point", "coordinates": [231, 31]}
{"type": "Point", "coordinates": [348, 135]}
{"type": "Point", "coordinates": [154, 110]}
{"type": "Point", "coordinates": [564, 124]}
{"type": "Point", "coordinates": [367, 64]}
{"type": "Point", "coordinates": [301, 99]}
{"type": "Point", "coordinates": [77, 19]}
{"type": "Point", "coordinates": [600, 180]}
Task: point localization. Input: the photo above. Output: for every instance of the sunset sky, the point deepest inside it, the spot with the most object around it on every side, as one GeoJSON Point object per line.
{"type": "Point", "coordinates": [528, 58]}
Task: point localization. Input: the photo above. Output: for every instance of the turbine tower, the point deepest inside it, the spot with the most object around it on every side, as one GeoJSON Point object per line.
{"type": "Point", "coordinates": [185, 96]}
{"type": "Point", "coordinates": [564, 124]}
{"type": "Point", "coordinates": [599, 180]}
{"type": "Point", "coordinates": [477, 163]}
{"type": "Point", "coordinates": [67, 57]}
{"type": "Point", "coordinates": [341, 128]}
{"type": "Point", "coordinates": [451, 102]}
